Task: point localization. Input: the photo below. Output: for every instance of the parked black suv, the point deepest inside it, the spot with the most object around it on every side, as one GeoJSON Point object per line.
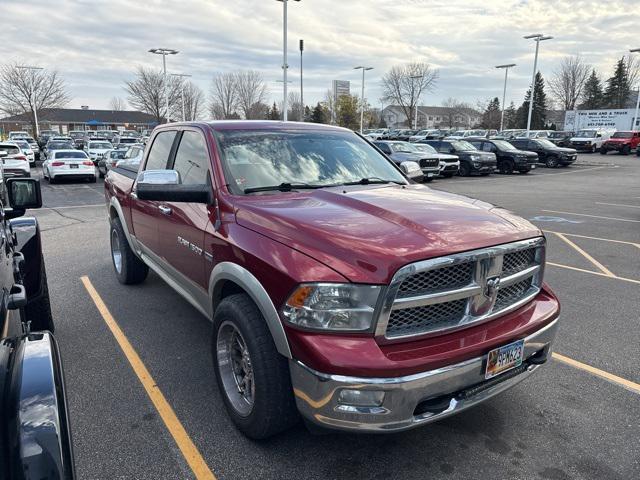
{"type": "Point", "coordinates": [35, 439]}
{"type": "Point", "coordinates": [509, 158]}
{"type": "Point", "coordinates": [548, 153]}
{"type": "Point", "coordinates": [471, 159]}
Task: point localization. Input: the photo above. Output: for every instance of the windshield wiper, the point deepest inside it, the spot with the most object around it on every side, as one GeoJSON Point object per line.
{"type": "Point", "coordinates": [283, 187]}
{"type": "Point", "coordinates": [372, 181]}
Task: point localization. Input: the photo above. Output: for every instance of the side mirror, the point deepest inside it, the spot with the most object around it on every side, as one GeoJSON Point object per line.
{"type": "Point", "coordinates": [412, 170]}
{"type": "Point", "coordinates": [165, 186]}
{"type": "Point", "coordinates": [22, 194]}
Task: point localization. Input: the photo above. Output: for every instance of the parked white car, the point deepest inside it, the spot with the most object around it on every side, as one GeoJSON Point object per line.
{"type": "Point", "coordinates": [27, 150]}
{"type": "Point", "coordinates": [590, 140]}
{"type": "Point", "coordinates": [69, 164]}
{"type": "Point", "coordinates": [97, 149]}
{"type": "Point", "coordinates": [449, 164]}
{"type": "Point", "coordinates": [21, 134]}
{"type": "Point", "coordinates": [16, 163]}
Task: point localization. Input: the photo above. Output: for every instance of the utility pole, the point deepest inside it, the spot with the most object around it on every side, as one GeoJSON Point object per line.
{"type": "Point", "coordinates": [635, 117]}
{"type": "Point", "coordinates": [164, 52]}
{"type": "Point", "coordinates": [182, 76]}
{"type": "Point", "coordinates": [285, 107]}
{"type": "Point", "coordinates": [537, 37]}
{"type": "Point", "coordinates": [364, 69]}
{"type": "Point", "coordinates": [301, 90]}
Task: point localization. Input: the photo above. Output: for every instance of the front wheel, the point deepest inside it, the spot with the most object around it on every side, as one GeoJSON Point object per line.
{"type": "Point", "coordinates": [551, 162]}
{"type": "Point", "coordinates": [252, 376]}
{"type": "Point", "coordinates": [603, 151]}
{"type": "Point", "coordinates": [464, 171]}
{"type": "Point", "coordinates": [506, 167]}
{"type": "Point", "coordinates": [626, 150]}
{"type": "Point", "coordinates": [128, 267]}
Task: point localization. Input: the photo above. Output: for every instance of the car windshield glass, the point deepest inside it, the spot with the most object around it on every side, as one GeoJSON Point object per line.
{"type": "Point", "coordinates": [100, 145]}
{"type": "Point", "coordinates": [117, 154]}
{"type": "Point", "coordinates": [502, 145]}
{"type": "Point", "coordinates": [24, 145]}
{"type": "Point", "coordinates": [586, 134]}
{"type": "Point", "coordinates": [557, 134]}
{"type": "Point", "coordinates": [10, 149]}
{"type": "Point", "coordinates": [401, 148]}
{"type": "Point", "coordinates": [544, 142]}
{"type": "Point", "coordinates": [257, 158]}
{"type": "Point", "coordinates": [423, 147]}
{"type": "Point", "coordinates": [76, 134]}
{"type": "Point", "coordinates": [461, 146]}
{"type": "Point", "coordinates": [622, 135]}
{"type": "Point", "coordinates": [78, 154]}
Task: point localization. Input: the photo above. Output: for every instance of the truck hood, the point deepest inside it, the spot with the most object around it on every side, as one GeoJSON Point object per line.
{"type": "Point", "coordinates": [367, 233]}
{"type": "Point", "coordinates": [446, 157]}
{"type": "Point", "coordinates": [618, 140]}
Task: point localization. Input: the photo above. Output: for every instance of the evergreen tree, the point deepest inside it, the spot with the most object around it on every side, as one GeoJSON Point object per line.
{"type": "Point", "coordinates": [592, 95]}
{"type": "Point", "coordinates": [538, 112]}
{"type": "Point", "coordinates": [491, 114]}
{"type": "Point", "coordinates": [274, 113]}
{"type": "Point", "coordinates": [307, 113]}
{"type": "Point", "coordinates": [618, 88]}
{"type": "Point", "coordinates": [319, 114]}
{"type": "Point", "coordinates": [511, 116]}
{"type": "Point", "coordinates": [348, 112]}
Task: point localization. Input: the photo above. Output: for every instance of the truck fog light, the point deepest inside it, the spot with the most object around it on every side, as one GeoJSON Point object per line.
{"type": "Point", "coordinates": [361, 398]}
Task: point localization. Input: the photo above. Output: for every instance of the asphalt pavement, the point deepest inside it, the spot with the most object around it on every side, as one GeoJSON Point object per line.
{"type": "Point", "coordinates": [565, 422]}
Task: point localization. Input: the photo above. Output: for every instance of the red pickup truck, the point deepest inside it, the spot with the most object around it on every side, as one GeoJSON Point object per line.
{"type": "Point", "coordinates": [339, 290]}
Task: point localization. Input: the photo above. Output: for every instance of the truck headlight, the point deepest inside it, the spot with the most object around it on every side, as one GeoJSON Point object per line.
{"type": "Point", "coordinates": [332, 306]}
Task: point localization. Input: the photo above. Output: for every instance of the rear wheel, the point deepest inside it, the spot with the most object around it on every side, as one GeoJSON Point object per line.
{"type": "Point", "coordinates": [128, 267]}
{"type": "Point", "coordinates": [253, 378]}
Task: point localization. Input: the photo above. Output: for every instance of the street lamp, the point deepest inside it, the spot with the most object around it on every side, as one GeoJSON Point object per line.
{"type": "Point", "coordinates": [181, 76]}
{"type": "Point", "coordinates": [635, 117]}
{"type": "Point", "coordinates": [364, 69]}
{"type": "Point", "coordinates": [415, 124]}
{"type": "Point", "coordinates": [33, 95]}
{"type": "Point", "coordinates": [301, 91]}
{"type": "Point", "coordinates": [504, 90]}
{"type": "Point", "coordinates": [284, 57]}
{"type": "Point", "coordinates": [164, 52]}
{"type": "Point", "coordinates": [537, 37]}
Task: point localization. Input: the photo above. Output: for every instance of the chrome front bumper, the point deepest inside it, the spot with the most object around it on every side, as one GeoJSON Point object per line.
{"type": "Point", "coordinates": [413, 400]}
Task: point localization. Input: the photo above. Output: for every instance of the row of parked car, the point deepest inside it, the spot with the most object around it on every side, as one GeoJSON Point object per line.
{"type": "Point", "coordinates": [586, 140]}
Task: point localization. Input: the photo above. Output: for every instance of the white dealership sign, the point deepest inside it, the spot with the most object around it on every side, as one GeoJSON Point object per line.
{"type": "Point", "coordinates": [603, 119]}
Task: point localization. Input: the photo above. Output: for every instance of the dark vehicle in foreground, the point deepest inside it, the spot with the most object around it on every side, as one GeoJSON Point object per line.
{"type": "Point", "coordinates": [403, 151]}
{"type": "Point", "coordinates": [35, 439]}
{"type": "Point", "coordinates": [339, 291]}
{"type": "Point", "coordinates": [471, 159]}
{"type": "Point", "coordinates": [560, 138]}
{"type": "Point", "coordinates": [622, 142]}
{"type": "Point", "coordinates": [509, 158]}
{"type": "Point", "coordinates": [549, 154]}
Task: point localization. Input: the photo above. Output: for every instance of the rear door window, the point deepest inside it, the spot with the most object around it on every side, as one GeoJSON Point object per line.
{"type": "Point", "coordinates": [160, 150]}
{"type": "Point", "coordinates": [192, 159]}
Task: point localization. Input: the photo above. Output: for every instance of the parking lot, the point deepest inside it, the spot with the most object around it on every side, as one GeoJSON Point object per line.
{"type": "Point", "coordinates": [144, 404]}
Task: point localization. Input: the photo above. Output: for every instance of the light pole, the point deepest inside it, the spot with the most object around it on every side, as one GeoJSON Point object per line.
{"type": "Point", "coordinates": [181, 76]}
{"type": "Point", "coordinates": [635, 116]}
{"type": "Point", "coordinates": [301, 91]}
{"type": "Point", "coordinates": [31, 69]}
{"type": "Point", "coordinates": [504, 91]}
{"type": "Point", "coordinates": [537, 37]}
{"type": "Point", "coordinates": [415, 122]}
{"type": "Point", "coordinates": [364, 69]}
{"type": "Point", "coordinates": [164, 52]}
{"type": "Point", "coordinates": [284, 57]}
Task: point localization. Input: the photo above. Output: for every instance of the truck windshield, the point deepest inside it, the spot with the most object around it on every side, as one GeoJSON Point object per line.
{"type": "Point", "coordinates": [262, 158]}
{"type": "Point", "coordinates": [586, 134]}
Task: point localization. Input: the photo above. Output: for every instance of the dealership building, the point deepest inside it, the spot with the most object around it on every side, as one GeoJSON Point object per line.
{"type": "Point", "coordinates": [64, 120]}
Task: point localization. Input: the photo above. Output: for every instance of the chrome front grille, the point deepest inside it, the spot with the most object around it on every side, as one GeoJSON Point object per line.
{"type": "Point", "coordinates": [462, 289]}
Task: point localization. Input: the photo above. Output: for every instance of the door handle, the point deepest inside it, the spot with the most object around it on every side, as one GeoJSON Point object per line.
{"type": "Point", "coordinates": [164, 210]}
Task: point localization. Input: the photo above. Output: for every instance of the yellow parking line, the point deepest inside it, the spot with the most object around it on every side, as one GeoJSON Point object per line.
{"type": "Point", "coordinates": [623, 382]}
{"type": "Point", "coordinates": [568, 267]}
{"type": "Point", "coordinates": [597, 264]}
{"type": "Point", "coordinates": [594, 238]}
{"type": "Point", "coordinates": [189, 450]}
{"type": "Point", "coordinates": [592, 216]}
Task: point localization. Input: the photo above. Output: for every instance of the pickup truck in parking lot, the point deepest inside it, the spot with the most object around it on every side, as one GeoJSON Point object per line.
{"type": "Point", "coordinates": [622, 142]}
{"type": "Point", "coordinates": [339, 290]}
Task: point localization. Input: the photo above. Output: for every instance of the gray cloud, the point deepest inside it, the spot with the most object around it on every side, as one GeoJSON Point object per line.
{"type": "Point", "coordinates": [97, 45]}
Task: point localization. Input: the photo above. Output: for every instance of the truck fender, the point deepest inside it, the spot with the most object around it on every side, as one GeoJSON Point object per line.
{"type": "Point", "coordinates": [233, 272]}
{"type": "Point", "coordinates": [28, 242]}
{"type": "Point", "coordinates": [114, 204]}
{"type": "Point", "coordinates": [38, 423]}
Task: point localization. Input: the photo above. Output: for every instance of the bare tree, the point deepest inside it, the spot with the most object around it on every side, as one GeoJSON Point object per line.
{"type": "Point", "coordinates": [117, 104]}
{"type": "Point", "coordinates": [224, 96]}
{"type": "Point", "coordinates": [21, 89]}
{"type": "Point", "coordinates": [147, 94]}
{"type": "Point", "coordinates": [193, 98]}
{"type": "Point", "coordinates": [250, 89]}
{"type": "Point", "coordinates": [457, 108]}
{"type": "Point", "coordinates": [633, 71]}
{"type": "Point", "coordinates": [404, 85]}
{"type": "Point", "coordinates": [568, 80]}
{"type": "Point", "coordinates": [330, 104]}
{"type": "Point", "coordinates": [295, 106]}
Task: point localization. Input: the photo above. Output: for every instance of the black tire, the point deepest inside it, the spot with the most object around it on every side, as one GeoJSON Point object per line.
{"type": "Point", "coordinates": [38, 311]}
{"type": "Point", "coordinates": [506, 167]}
{"type": "Point", "coordinates": [603, 151]}
{"type": "Point", "coordinates": [464, 171]}
{"type": "Point", "coordinates": [447, 174]}
{"type": "Point", "coordinates": [626, 150]}
{"type": "Point", "coordinates": [273, 408]}
{"type": "Point", "coordinates": [132, 270]}
{"type": "Point", "coordinates": [551, 161]}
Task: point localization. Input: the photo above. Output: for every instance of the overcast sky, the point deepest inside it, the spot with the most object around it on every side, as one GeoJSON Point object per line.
{"type": "Point", "coordinates": [96, 45]}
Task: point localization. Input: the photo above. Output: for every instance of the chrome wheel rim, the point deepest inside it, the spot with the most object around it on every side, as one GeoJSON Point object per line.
{"type": "Point", "coordinates": [235, 369]}
{"type": "Point", "coordinates": [116, 253]}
